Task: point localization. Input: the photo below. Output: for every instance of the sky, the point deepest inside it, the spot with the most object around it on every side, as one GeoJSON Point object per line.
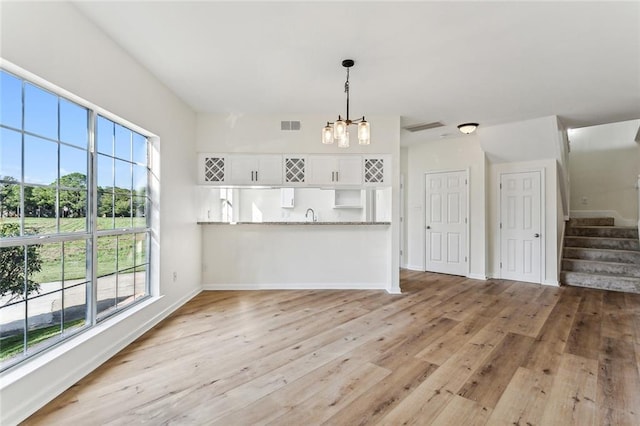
{"type": "Point", "coordinates": [49, 119]}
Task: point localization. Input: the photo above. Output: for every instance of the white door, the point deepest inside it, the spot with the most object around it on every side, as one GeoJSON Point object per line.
{"type": "Point", "coordinates": [445, 222]}
{"type": "Point", "coordinates": [520, 226]}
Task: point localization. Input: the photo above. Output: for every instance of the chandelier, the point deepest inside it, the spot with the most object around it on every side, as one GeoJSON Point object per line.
{"type": "Point", "coordinates": [338, 131]}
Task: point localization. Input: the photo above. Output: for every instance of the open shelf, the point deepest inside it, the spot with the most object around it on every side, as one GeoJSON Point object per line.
{"type": "Point", "coordinates": [347, 199]}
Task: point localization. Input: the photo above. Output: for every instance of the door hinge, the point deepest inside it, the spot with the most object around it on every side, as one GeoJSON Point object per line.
{"type": "Point", "coordinates": [465, 181]}
{"type": "Point", "coordinates": [400, 252]}
{"type": "Point", "coordinates": [500, 225]}
{"type": "Point", "coordinates": [465, 220]}
{"type": "Point", "coordinates": [465, 259]}
{"type": "Point", "coordinates": [500, 265]}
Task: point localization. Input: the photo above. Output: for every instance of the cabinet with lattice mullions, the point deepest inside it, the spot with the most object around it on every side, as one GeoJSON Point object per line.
{"type": "Point", "coordinates": [212, 169]}
{"type": "Point", "coordinates": [376, 170]}
{"type": "Point", "coordinates": [295, 170]}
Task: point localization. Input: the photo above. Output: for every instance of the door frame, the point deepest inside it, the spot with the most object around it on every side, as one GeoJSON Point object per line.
{"type": "Point", "coordinates": [543, 221]}
{"type": "Point", "coordinates": [467, 253]}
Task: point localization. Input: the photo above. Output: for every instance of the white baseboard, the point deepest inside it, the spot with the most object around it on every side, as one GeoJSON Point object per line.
{"type": "Point", "coordinates": [552, 283]}
{"type": "Point", "coordinates": [477, 277]}
{"type": "Point", "coordinates": [296, 286]}
{"type": "Point", "coordinates": [618, 220]}
{"type": "Point", "coordinates": [48, 391]}
{"type": "Point", "coordinates": [394, 290]}
{"type": "Point", "coordinates": [418, 268]}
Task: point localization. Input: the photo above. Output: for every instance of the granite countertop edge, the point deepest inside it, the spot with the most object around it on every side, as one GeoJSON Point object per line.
{"type": "Point", "coordinates": [292, 223]}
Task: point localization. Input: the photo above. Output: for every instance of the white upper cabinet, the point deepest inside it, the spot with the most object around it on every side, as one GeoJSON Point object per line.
{"type": "Point", "coordinates": [255, 169]}
{"type": "Point", "coordinates": [212, 169]}
{"type": "Point", "coordinates": [335, 170]}
{"type": "Point", "coordinates": [377, 170]}
{"type": "Point", "coordinates": [293, 170]}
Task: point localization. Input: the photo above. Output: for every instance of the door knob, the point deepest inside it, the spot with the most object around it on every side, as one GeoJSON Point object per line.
{"type": "Point", "coordinates": [428, 227]}
{"type": "Point", "coordinates": [536, 235]}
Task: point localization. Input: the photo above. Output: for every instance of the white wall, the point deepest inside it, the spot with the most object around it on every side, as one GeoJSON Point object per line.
{"type": "Point", "coordinates": [404, 171]}
{"type": "Point", "coordinates": [537, 144]}
{"type": "Point", "coordinates": [604, 171]}
{"type": "Point", "coordinates": [240, 133]}
{"type": "Point", "coordinates": [447, 154]}
{"type": "Point", "coordinates": [521, 141]}
{"type": "Point", "coordinates": [55, 42]}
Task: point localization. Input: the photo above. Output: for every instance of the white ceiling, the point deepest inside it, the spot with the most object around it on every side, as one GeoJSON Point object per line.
{"type": "Point", "coordinates": [425, 61]}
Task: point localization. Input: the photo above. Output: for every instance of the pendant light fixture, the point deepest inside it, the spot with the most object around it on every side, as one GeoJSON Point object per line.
{"type": "Point", "coordinates": [338, 131]}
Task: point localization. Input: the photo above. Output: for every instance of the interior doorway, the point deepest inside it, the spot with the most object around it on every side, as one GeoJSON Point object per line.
{"type": "Point", "coordinates": [521, 248]}
{"type": "Point", "coordinates": [446, 222]}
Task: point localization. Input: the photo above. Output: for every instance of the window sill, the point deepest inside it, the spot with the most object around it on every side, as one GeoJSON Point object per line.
{"type": "Point", "coordinates": [19, 371]}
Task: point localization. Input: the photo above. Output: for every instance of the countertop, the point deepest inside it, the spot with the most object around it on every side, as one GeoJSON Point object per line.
{"type": "Point", "coordinates": [293, 223]}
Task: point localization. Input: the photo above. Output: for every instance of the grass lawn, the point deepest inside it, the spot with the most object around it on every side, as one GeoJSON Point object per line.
{"type": "Point", "coordinates": [14, 345]}
{"type": "Point", "coordinates": [114, 252]}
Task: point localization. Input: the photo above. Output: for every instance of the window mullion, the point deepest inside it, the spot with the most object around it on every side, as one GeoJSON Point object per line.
{"type": "Point", "coordinates": [25, 331]}
{"type": "Point", "coordinates": [92, 214]}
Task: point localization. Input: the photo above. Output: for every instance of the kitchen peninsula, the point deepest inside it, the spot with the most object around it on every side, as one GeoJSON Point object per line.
{"type": "Point", "coordinates": [302, 236]}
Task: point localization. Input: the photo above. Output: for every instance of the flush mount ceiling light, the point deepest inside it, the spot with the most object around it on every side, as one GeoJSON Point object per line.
{"type": "Point", "coordinates": [339, 130]}
{"type": "Point", "coordinates": [468, 128]}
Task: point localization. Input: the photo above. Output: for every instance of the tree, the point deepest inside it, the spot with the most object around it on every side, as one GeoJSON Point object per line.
{"type": "Point", "coordinates": [12, 269]}
{"type": "Point", "coordinates": [41, 201]}
{"type": "Point", "coordinates": [105, 201]}
{"type": "Point", "coordinates": [122, 205]}
{"type": "Point", "coordinates": [74, 202]}
{"type": "Point", "coordinates": [9, 196]}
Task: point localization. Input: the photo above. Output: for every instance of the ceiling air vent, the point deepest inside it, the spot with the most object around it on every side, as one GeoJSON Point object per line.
{"type": "Point", "coordinates": [290, 125]}
{"type": "Point", "coordinates": [424, 126]}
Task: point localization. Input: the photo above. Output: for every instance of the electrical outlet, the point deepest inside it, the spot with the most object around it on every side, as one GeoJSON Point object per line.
{"type": "Point", "coordinates": [175, 276]}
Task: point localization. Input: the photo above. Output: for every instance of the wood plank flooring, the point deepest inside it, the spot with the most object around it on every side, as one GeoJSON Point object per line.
{"type": "Point", "coordinates": [449, 351]}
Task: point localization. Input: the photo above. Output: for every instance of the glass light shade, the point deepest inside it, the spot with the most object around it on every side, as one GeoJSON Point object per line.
{"type": "Point", "coordinates": [343, 141]}
{"type": "Point", "coordinates": [468, 128]}
{"type": "Point", "coordinates": [327, 135]}
{"type": "Point", "coordinates": [364, 133]}
{"type": "Point", "coordinates": [339, 128]}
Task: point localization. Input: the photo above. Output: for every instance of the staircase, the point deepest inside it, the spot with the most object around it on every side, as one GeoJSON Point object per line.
{"type": "Point", "coordinates": [599, 255]}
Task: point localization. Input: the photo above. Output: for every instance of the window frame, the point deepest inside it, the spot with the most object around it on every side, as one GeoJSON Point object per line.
{"type": "Point", "coordinates": [91, 232]}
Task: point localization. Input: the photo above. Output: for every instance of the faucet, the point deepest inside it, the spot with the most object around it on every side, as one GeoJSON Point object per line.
{"type": "Point", "coordinates": [313, 215]}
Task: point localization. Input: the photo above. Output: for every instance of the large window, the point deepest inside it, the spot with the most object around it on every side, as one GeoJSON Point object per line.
{"type": "Point", "coordinates": [74, 233]}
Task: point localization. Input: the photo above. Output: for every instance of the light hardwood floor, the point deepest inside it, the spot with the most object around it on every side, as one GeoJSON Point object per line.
{"type": "Point", "coordinates": [449, 351]}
